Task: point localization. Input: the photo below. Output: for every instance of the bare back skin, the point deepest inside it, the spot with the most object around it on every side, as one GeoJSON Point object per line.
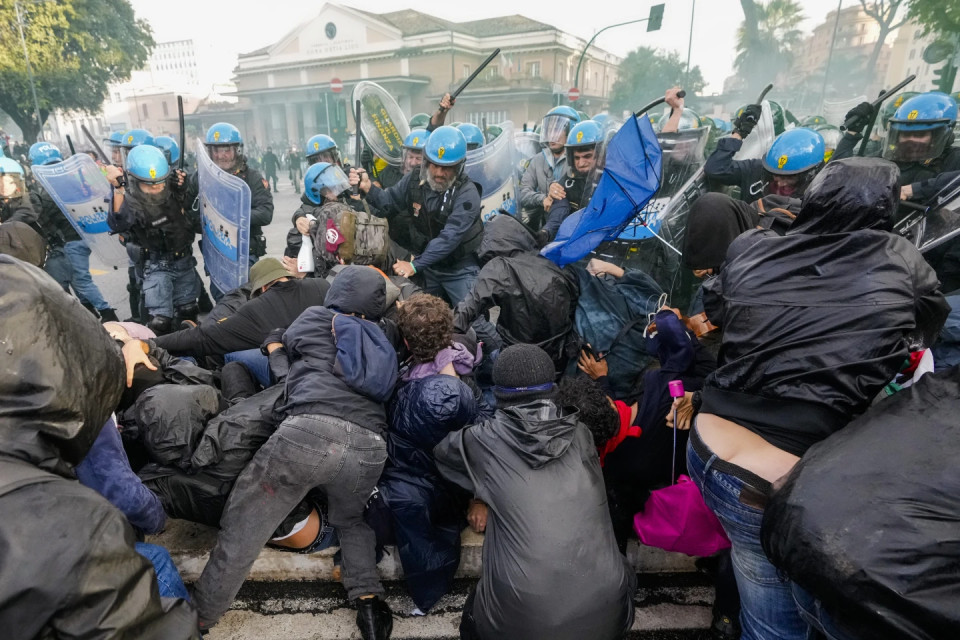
{"type": "Point", "coordinates": [742, 447]}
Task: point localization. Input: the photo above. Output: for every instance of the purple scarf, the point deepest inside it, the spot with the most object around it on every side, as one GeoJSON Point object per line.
{"type": "Point", "coordinates": [463, 362]}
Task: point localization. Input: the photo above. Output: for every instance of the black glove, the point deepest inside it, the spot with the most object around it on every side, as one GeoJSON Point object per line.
{"type": "Point", "coordinates": [366, 159]}
{"type": "Point", "coordinates": [747, 120]}
{"type": "Point", "coordinates": [859, 117]}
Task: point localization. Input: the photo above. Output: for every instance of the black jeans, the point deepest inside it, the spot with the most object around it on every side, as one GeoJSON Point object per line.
{"type": "Point", "coordinates": [306, 451]}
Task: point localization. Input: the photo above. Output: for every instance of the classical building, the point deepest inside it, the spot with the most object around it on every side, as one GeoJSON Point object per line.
{"type": "Point", "coordinates": [417, 58]}
{"type": "Point", "coordinates": [907, 59]}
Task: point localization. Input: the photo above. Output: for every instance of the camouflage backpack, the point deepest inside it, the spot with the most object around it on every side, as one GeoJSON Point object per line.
{"type": "Point", "coordinates": [359, 236]}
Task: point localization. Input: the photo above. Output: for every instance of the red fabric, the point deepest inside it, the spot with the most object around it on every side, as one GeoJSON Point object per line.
{"type": "Point", "coordinates": [913, 362]}
{"type": "Point", "coordinates": [627, 430]}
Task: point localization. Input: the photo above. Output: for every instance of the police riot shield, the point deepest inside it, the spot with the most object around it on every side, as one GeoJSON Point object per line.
{"type": "Point", "coordinates": [82, 192]}
{"type": "Point", "coordinates": [835, 112]}
{"type": "Point", "coordinates": [225, 217]}
{"type": "Point", "coordinates": [492, 167]}
{"type": "Point", "coordinates": [382, 122]}
{"type": "Point", "coordinates": [939, 223]}
{"type": "Point", "coordinates": [526, 144]}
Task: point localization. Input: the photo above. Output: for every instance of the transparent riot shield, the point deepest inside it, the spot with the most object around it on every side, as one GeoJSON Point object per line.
{"type": "Point", "coordinates": [492, 167]}
{"type": "Point", "coordinates": [526, 145]}
{"type": "Point", "coordinates": [225, 218]}
{"type": "Point", "coordinates": [382, 122]}
{"type": "Point", "coordinates": [936, 225]}
{"type": "Point", "coordinates": [83, 194]}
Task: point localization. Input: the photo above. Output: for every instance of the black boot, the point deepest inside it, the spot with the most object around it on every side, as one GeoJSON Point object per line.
{"type": "Point", "coordinates": [374, 619]}
{"type": "Point", "coordinates": [204, 301]}
{"type": "Point", "coordinates": [108, 315]}
{"type": "Point", "coordinates": [92, 309]}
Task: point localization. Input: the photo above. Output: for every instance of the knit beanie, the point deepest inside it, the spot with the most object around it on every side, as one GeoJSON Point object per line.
{"type": "Point", "coordinates": [523, 372]}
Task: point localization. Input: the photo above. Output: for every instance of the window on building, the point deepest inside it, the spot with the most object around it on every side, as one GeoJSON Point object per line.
{"type": "Point", "coordinates": [533, 69]}
{"type": "Point", "coordinates": [596, 79]}
{"type": "Point", "coordinates": [145, 111]}
{"type": "Point", "coordinates": [166, 112]}
{"type": "Point", "coordinates": [912, 53]}
{"type": "Point", "coordinates": [493, 70]}
{"type": "Point", "coordinates": [863, 27]}
{"type": "Point", "coordinates": [465, 71]}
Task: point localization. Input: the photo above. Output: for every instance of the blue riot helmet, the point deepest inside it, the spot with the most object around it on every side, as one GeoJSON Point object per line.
{"type": "Point", "coordinates": [12, 183]}
{"type": "Point", "coordinates": [112, 146]}
{"type": "Point", "coordinates": [793, 160]}
{"type": "Point", "coordinates": [556, 125]}
{"type": "Point", "coordinates": [601, 119]}
{"type": "Point", "coordinates": [473, 134]}
{"type": "Point", "coordinates": [44, 153]}
{"type": "Point", "coordinates": [225, 146]}
{"type": "Point", "coordinates": [131, 139]}
{"type": "Point", "coordinates": [324, 181]}
{"type": "Point", "coordinates": [583, 139]}
{"type": "Point", "coordinates": [147, 164]}
{"type": "Point", "coordinates": [921, 128]}
{"type": "Point", "coordinates": [169, 147]}
{"type": "Point", "coordinates": [445, 147]}
{"type": "Point", "coordinates": [322, 148]}
{"type": "Point", "coordinates": [413, 150]}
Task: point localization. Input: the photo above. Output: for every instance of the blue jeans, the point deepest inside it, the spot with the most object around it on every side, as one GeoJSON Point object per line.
{"type": "Point", "coordinates": [768, 610]}
{"type": "Point", "coordinates": [168, 578]}
{"type": "Point", "coordinates": [817, 618]}
{"type": "Point", "coordinates": [169, 285]}
{"type": "Point", "coordinates": [71, 266]}
{"type": "Point", "coordinates": [257, 363]}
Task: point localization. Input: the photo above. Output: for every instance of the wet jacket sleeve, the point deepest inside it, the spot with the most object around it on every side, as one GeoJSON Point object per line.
{"type": "Point", "coordinates": [557, 214]}
{"type": "Point", "coordinates": [927, 189]}
{"type": "Point", "coordinates": [235, 333]}
{"type": "Point", "coordinates": [530, 197]}
{"type": "Point", "coordinates": [722, 167]}
{"type": "Point", "coordinates": [118, 596]}
{"type": "Point", "coordinates": [846, 145]}
{"type": "Point", "coordinates": [261, 200]}
{"type": "Point", "coordinates": [466, 209]}
{"type": "Point", "coordinates": [390, 202]}
{"type": "Point", "coordinates": [452, 460]}
{"type": "Point", "coordinates": [106, 470]}
{"type": "Point", "coordinates": [482, 295]}
{"type": "Point", "coordinates": [930, 304]}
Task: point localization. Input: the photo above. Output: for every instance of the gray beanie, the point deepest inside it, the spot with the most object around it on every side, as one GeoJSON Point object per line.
{"type": "Point", "coordinates": [523, 372]}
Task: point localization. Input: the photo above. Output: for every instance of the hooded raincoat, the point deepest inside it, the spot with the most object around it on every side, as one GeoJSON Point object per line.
{"type": "Point", "coordinates": [551, 568]}
{"type": "Point", "coordinates": [68, 567]}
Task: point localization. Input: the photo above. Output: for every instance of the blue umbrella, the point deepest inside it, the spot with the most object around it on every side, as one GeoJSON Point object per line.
{"type": "Point", "coordinates": [631, 176]}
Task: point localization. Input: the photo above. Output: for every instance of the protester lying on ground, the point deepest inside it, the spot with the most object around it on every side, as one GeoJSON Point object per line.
{"type": "Point", "coordinates": [276, 302]}
{"type": "Point", "coordinates": [431, 402]}
{"type": "Point", "coordinates": [64, 377]}
{"type": "Point", "coordinates": [802, 356]}
{"type": "Point", "coordinates": [536, 468]}
{"type": "Point", "coordinates": [330, 396]}
{"type": "Point", "coordinates": [537, 299]}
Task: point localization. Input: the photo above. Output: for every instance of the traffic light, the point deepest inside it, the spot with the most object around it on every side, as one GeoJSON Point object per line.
{"type": "Point", "coordinates": [945, 77]}
{"type": "Point", "coordinates": [656, 18]}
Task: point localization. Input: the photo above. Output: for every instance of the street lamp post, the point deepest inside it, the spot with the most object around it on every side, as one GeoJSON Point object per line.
{"type": "Point", "coordinates": [826, 70]}
{"type": "Point", "coordinates": [26, 55]}
{"type": "Point", "coordinates": [655, 18]}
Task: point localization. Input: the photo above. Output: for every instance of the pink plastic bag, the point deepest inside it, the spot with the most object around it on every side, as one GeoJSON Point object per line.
{"type": "Point", "coordinates": [676, 518]}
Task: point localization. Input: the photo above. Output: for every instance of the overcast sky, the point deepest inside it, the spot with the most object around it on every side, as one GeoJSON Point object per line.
{"type": "Point", "coordinates": [232, 27]}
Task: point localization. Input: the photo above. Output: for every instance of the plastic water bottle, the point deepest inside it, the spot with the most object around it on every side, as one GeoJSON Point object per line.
{"type": "Point", "coordinates": [676, 391]}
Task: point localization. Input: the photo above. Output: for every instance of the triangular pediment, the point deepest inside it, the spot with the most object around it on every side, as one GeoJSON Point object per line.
{"type": "Point", "coordinates": [336, 30]}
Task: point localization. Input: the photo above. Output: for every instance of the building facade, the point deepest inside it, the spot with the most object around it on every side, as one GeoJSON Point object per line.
{"type": "Point", "coordinates": [907, 59]}
{"type": "Point", "coordinates": [417, 58]}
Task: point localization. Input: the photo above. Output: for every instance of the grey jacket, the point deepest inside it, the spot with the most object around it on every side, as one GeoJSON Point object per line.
{"type": "Point", "coordinates": [537, 178]}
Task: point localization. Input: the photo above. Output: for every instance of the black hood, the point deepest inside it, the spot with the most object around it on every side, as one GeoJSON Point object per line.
{"type": "Point", "coordinates": [61, 374]}
{"type": "Point", "coordinates": [849, 195]}
{"type": "Point", "coordinates": [715, 221]}
{"type": "Point", "coordinates": [538, 431]}
{"type": "Point", "coordinates": [358, 290]}
{"type": "Point", "coordinates": [505, 236]}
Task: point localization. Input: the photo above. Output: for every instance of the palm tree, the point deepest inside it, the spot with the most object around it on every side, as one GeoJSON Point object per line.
{"type": "Point", "coordinates": [766, 40]}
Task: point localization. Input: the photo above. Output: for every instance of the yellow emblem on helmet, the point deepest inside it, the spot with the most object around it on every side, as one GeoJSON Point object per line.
{"type": "Point", "coordinates": [216, 136]}
{"type": "Point", "coordinates": [153, 173]}
{"type": "Point", "coordinates": [129, 139]}
{"type": "Point", "coordinates": [912, 115]}
{"type": "Point", "coordinates": [440, 152]}
{"type": "Point", "coordinates": [579, 136]}
{"type": "Point", "coordinates": [781, 161]}
{"type": "Point", "coordinates": [316, 146]}
{"type": "Point", "coordinates": [898, 101]}
{"type": "Point", "coordinates": [416, 141]}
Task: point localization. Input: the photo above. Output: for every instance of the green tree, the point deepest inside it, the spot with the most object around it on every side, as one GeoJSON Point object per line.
{"type": "Point", "coordinates": [647, 73]}
{"type": "Point", "coordinates": [766, 40]}
{"type": "Point", "coordinates": [936, 16]}
{"type": "Point", "coordinates": [76, 47]}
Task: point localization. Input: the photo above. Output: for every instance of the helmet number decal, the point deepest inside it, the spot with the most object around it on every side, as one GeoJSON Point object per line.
{"type": "Point", "coordinates": [316, 146]}
{"type": "Point", "coordinates": [579, 136]}
{"type": "Point", "coordinates": [440, 152]}
{"type": "Point", "coordinates": [216, 136]}
{"type": "Point", "coordinates": [912, 115]}
{"type": "Point", "coordinates": [153, 173]}
{"type": "Point", "coordinates": [782, 160]}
